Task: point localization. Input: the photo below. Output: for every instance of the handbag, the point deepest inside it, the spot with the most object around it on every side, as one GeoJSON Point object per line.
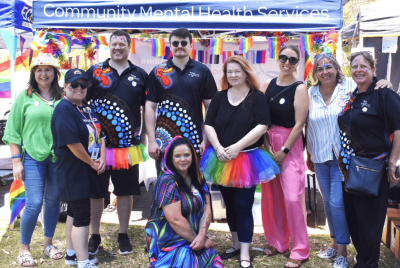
{"type": "Point", "coordinates": [365, 175]}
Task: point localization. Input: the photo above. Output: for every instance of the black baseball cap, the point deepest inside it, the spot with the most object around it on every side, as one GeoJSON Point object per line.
{"type": "Point", "coordinates": [74, 74]}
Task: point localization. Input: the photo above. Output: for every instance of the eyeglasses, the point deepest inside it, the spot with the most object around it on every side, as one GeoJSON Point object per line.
{"type": "Point", "coordinates": [183, 43]}
{"type": "Point", "coordinates": [325, 54]}
{"type": "Point", "coordinates": [292, 60]}
{"type": "Point", "coordinates": [83, 85]}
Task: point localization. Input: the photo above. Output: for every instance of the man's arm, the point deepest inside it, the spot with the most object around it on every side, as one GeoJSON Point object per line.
{"type": "Point", "coordinates": [150, 122]}
{"type": "Point", "coordinates": [205, 141]}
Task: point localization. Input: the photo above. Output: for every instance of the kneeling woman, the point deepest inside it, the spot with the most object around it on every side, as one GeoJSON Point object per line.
{"type": "Point", "coordinates": [80, 149]}
{"type": "Point", "coordinates": [236, 120]}
{"type": "Point", "coordinates": [180, 213]}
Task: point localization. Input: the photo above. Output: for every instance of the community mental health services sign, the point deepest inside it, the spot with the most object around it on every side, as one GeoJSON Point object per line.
{"type": "Point", "coordinates": [282, 15]}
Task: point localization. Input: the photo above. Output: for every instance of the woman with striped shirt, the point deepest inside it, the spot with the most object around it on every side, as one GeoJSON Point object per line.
{"type": "Point", "coordinates": [328, 97]}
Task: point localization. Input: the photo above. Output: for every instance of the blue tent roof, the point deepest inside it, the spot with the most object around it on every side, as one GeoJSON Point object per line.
{"type": "Point", "coordinates": [15, 13]}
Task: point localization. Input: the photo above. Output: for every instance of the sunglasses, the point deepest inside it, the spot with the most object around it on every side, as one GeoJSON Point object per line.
{"type": "Point", "coordinates": [183, 43]}
{"type": "Point", "coordinates": [292, 60]}
{"type": "Point", "coordinates": [83, 85]}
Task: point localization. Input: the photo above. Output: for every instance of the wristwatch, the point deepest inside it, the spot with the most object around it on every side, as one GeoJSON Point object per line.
{"type": "Point", "coordinates": [285, 150]}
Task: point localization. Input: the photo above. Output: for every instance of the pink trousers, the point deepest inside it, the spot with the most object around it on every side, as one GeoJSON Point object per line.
{"type": "Point", "coordinates": [281, 205]}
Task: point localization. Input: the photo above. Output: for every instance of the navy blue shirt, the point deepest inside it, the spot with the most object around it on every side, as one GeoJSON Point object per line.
{"type": "Point", "coordinates": [117, 100]}
{"type": "Point", "coordinates": [68, 126]}
{"type": "Point", "coordinates": [179, 94]}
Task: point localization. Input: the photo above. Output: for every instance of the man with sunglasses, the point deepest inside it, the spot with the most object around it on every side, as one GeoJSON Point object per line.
{"type": "Point", "coordinates": [179, 87]}
{"type": "Point", "coordinates": [117, 95]}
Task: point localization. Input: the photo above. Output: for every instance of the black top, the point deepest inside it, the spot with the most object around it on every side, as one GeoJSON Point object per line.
{"type": "Point", "coordinates": [232, 123]}
{"type": "Point", "coordinates": [68, 126]}
{"type": "Point", "coordinates": [370, 110]}
{"type": "Point", "coordinates": [179, 94]}
{"type": "Point", "coordinates": [117, 100]}
{"type": "Point", "coordinates": [282, 107]}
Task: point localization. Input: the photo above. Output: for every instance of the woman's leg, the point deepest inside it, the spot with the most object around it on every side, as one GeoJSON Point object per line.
{"type": "Point", "coordinates": [80, 229]}
{"type": "Point", "coordinates": [228, 194]}
{"type": "Point", "coordinates": [51, 205]}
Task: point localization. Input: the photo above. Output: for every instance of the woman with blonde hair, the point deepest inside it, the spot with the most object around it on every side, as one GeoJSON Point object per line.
{"type": "Point", "coordinates": [236, 120]}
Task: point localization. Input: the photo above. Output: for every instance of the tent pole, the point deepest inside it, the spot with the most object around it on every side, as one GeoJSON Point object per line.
{"type": "Point", "coordinates": [12, 67]}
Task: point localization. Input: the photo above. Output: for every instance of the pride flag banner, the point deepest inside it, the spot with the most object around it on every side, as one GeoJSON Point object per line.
{"type": "Point", "coordinates": [157, 47]}
{"type": "Point", "coordinates": [307, 66]}
{"type": "Point", "coordinates": [306, 42]}
{"type": "Point", "coordinates": [192, 53]}
{"type": "Point", "coordinates": [102, 40]}
{"type": "Point", "coordinates": [245, 44]}
{"type": "Point", "coordinates": [17, 199]}
{"type": "Point", "coordinates": [274, 44]}
{"type": "Point", "coordinates": [133, 46]}
{"type": "Point", "coordinates": [216, 46]}
{"type": "Point", "coordinates": [67, 43]}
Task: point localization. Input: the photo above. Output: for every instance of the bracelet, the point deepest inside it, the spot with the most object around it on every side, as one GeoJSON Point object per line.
{"type": "Point", "coordinates": [16, 156]}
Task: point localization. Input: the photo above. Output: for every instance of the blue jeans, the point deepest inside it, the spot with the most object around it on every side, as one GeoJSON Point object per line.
{"type": "Point", "coordinates": [40, 183]}
{"type": "Point", "coordinates": [328, 175]}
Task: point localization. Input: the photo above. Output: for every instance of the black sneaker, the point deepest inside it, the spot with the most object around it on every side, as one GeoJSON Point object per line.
{"type": "Point", "coordinates": [94, 244]}
{"type": "Point", "coordinates": [125, 246]}
{"type": "Point", "coordinates": [72, 260]}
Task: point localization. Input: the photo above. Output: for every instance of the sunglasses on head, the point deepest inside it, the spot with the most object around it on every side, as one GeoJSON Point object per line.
{"type": "Point", "coordinates": [83, 85]}
{"type": "Point", "coordinates": [183, 43]}
{"type": "Point", "coordinates": [292, 60]}
{"type": "Point", "coordinates": [325, 54]}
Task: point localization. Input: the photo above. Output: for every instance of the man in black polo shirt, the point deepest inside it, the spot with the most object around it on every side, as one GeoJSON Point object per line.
{"type": "Point", "coordinates": [117, 94]}
{"type": "Point", "coordinates": [179, 86]}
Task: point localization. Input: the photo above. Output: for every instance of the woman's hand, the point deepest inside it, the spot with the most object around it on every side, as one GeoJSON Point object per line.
{"type": "Point", "coordinates": [102, 164]}
{"type": "Point", "coordinates": [309, 163]}
{"type": "Point", "coordinates": [392, 173]}
{"type": "Point", "coordinates": [18, 170]}
{"type": "Point", "coordinates": [279, 157]}
{"type": "Point", "coordinates": [198, 242]}
{"type": "Point", "coordinates": [383, 84]}
{"type": "Point", "coordinates": [208, 244]}
{"type": "Point", "coordinates": [232, 151]}
{"type": "Point", "coordinates": [222, 155]}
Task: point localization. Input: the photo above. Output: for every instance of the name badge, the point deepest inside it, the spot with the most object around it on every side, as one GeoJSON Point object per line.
{"type": "Point", "coordinates": [95, 153]}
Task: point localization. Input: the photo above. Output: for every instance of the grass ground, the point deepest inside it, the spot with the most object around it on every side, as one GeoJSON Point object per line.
{"type": "Point", "coordinates": [108, 258]}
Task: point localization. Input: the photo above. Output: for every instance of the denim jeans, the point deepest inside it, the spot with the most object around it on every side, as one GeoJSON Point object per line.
{"type": "Point", "coordinates": [328, 175]}
{"type": "Point", "coordinates": [239, 203]}
{"type": "Point", "coordinates": [40, 183]}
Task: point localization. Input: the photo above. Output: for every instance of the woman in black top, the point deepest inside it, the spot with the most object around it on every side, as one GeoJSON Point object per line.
{"type": "Point", "coordinates": [80, 150]}
{"type": "Point", "coordinates": [373, 116]}
{"type": "Point", "coordinates": [282, 209]}
{"type": "Point", "coordinates": [236, 120]}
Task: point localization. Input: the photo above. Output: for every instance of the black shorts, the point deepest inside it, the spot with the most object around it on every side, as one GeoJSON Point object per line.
{"type": "Point", "coordinates": [80, 211]}
{"type": "Point", "coordinates": [125, 181]}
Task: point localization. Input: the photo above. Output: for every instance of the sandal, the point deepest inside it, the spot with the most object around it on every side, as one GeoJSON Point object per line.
{"type": "Point", "coordinates": [52, 254]}
{"type": "Point", "coordinates": [225, 256]}
{"type": "Point", "coordinates": [296, 262]}
{"type": "Point", "coordinates": [25, 257]}
{"type": "Point", "coordinates": [273, 250]}
{"type": "Point", "coordinates": [251, 266]}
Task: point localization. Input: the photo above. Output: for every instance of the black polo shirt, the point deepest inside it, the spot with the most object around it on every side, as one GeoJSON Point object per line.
{"type": "Point", "coordinates": [179, 94]}
{"type": "Point", "coordinates": [117, 100]}
{"type": "Point", "coordinates": [374, 113]}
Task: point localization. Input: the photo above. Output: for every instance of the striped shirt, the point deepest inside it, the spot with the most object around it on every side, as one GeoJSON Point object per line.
{"type": "Point", "coordinates": [322, 123]}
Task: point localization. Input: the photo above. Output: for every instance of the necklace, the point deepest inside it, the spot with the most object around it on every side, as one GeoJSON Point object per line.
{"type": "Point", "coordinates": [50, 102]}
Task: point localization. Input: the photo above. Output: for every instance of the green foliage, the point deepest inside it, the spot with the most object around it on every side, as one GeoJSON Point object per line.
{"type": "Point", "coordinates": [350, 10]}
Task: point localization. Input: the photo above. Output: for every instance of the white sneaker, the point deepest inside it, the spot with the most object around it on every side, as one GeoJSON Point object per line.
{"type": "Point", "coordinates": [330, 253]}
{"type": "Point", "coordinates": [90, 265]}
{"type": "Point", "coordinates": [341, 262]}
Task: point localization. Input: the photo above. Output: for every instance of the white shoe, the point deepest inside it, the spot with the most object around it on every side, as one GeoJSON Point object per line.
{"type": "Point", "coordinates": [330, 253]}
{"type": "Point", "coordinates": [341, 262]}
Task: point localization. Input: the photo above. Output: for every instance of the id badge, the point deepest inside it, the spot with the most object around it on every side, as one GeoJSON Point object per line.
{"type": "Point", "coordinates": [95, 153]}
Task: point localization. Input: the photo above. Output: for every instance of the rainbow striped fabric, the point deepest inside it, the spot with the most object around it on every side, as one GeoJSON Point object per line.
{"type": "Point", "coordinates": [17, 199]}
{"type": "Point", "coordinates": [245, 44]}
{"type": "Point", "coordinates": [274, 45]}
{"type": "Point", "coordinates": [67, 41]}
{"type": "Point", "coordinates": [216, 46]}
{"type": "Point", "coordinates": [307, 66]}
{"type": "Point", "coordinates": [133, 46]}
{"type": "Point", "coordinates": [157, 47]}
{"type": "Point", "coordinates": [306, 42]}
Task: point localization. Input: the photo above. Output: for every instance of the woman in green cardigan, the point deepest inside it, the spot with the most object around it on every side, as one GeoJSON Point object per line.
{"type": "Point", "coordinates": [29, 136]}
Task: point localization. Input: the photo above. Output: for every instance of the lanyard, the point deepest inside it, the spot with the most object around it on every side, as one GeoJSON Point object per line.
{"type": "Point", "coordinates": [50, 102]}
{"type": "Point", "coordinates": [90, 117]}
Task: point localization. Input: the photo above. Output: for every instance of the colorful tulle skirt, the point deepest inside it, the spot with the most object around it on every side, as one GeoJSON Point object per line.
{"type": "Point", "coordinates": [247, 170]}
{"type": "Point", "coordinates": [123, 158]}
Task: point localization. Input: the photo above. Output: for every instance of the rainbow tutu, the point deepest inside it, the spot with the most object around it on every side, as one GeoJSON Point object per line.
{"type": "Point", "coordinates": [123, 158]}
{"type": "Point", "coordinates": [248, 169]}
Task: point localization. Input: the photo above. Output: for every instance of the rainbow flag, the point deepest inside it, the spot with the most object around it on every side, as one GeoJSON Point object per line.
{"type": "Point", "coordinates": [216, 46]}
{"type": "Point", "coordinates": [102, 40]}
{"type": "Point", "coordinates": [307, 66]}
{"type": "Point", "coordinates": [192, 52]}
{"type": "Point", "coordinates": [274, 45]}
{"type": "Point", "coordinates": [17, 199]}
{"type": "Point", "coordinates": [133, 46]}
{"type": "Point", "coordinates": [245, 44]}
{"type": "Point", "coordinates": [67, 43]}
{"type": "Point", "coordinates": [157, 47]}
{"type": "Point", "coordinates": [306, 42]}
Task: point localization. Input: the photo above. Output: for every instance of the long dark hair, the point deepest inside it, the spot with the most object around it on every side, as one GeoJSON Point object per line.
{"type": "Point", "coordinates": [194, 170]}
{"type": "Point", "coordinates": [55, 89]}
